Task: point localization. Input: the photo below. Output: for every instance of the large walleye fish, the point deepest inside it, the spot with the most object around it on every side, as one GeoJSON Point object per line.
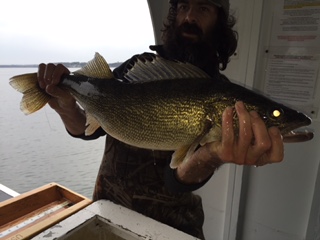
{"type": "Point", "coordinates": [164, 105]}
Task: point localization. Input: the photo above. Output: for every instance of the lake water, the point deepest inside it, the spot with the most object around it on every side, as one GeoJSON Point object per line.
{"type": "Point", "coordinates": [36, 149]}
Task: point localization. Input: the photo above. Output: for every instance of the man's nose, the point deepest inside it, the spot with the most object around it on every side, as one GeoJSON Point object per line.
{"type": "Point", "coordinates": [191, 15]}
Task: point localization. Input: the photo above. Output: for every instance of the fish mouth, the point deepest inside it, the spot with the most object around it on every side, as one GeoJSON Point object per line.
{"type": "Point", "coordinates": [298, 135]}
{"type": "Point", "coordinates": [298, 131]}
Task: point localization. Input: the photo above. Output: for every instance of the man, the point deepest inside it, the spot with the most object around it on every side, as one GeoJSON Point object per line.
{"type": "Point", "coordinates": [199, 32]}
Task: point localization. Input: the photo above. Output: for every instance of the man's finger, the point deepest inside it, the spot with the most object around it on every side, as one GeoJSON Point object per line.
{"type": "Point", "coordinates": [245, 132]}
{"type": "Point", "coordinates": [57, 92]}
{"type": "Point", "coordinates": [276, 152]}
{"type": "Point", "coordinates": [59, 71]}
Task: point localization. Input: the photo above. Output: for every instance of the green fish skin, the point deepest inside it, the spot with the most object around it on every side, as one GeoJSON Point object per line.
{"type": "Point", "coordinates": [164, 105]}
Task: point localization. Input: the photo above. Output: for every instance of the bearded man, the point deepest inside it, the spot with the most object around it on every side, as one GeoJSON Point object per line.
{"type": "Point", "coordinates": [199, 32]}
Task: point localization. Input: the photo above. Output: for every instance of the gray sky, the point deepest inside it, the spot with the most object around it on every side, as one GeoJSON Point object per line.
{"type": "Point", "coordinates": [36, 31]}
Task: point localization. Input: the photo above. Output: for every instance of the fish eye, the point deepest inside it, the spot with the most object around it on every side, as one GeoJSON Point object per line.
{"type": "Point", "coordinates": [276, 113]}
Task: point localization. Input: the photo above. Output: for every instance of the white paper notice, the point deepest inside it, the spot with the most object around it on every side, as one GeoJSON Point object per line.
{"type": "Point", "coordinates": [293, 58]}
{"type": "Point", "coordinates": [296, 23]}
{"type": "Point", "coordinates": [292, 78]}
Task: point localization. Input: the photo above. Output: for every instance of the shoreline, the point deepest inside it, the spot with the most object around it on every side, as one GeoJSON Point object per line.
{"type": "Point", "coordinates": [67, 64]}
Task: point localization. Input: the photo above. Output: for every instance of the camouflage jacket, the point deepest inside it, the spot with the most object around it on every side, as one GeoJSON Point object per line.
{"type": "Point", "coordinates": [142, 180]}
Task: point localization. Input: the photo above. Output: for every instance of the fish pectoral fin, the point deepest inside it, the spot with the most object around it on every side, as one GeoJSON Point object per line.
{"type": "Point", "coordinates": [213, 135]}
{"type": "Point", "coordinates": [96, 68]}
{"type": "Point", "coordinates": [91, 125]}
{"type": "Point", "coordinates": [184, 153]}
{"type": "Point", "coordinates": [179, 156]}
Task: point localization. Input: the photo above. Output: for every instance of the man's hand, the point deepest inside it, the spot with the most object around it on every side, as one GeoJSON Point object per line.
{"type": "Point", "coordinates": [73, 117]}
{"type": "Point", "coordinates": [255, 145]}
{"type": "Point", "coordinates": [49, 76]}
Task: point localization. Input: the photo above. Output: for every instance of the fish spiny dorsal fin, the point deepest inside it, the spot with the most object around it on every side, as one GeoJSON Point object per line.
{"type": "Point", "coordinates": [155, 68]}
{"type": "Point", "coordinates": [96, 68]}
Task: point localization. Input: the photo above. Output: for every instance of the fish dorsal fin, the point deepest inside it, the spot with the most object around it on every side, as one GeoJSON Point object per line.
{"type": "Point", "coordinates": [96, 68]}
{"type": "Point", "coordinates": [155, 68]}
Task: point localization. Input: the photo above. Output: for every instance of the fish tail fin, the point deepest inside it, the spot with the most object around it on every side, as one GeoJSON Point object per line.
{"type": "Point", "coordinates": [96, 68]}
{"type": "Point", "coordinates": [34, 98]}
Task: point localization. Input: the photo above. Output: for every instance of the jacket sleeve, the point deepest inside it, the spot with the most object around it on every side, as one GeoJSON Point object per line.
{"type": "Point", "coordinates": [98, 133]}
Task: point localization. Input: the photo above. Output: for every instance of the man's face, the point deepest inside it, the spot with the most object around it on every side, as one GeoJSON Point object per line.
{"type": "Point", "coordinates": [195, 19]}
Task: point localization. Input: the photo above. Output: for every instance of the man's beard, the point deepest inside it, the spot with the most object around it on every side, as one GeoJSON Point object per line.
{"type": "Point", "coordinates": [200, 51]}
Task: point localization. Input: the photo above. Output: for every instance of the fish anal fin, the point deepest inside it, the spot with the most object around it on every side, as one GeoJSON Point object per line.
{"type": "Point", "coordinates": [96, 68]}
{"type": "Point", "coordinates": [91, 125]}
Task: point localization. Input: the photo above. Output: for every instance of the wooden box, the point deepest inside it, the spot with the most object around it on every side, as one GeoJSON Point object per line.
{"type": "Point", "coordinates": [30, 213]}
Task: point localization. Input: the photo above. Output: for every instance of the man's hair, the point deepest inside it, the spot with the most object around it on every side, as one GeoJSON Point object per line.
{"type": "Point", "coordinates": [225, 38]}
